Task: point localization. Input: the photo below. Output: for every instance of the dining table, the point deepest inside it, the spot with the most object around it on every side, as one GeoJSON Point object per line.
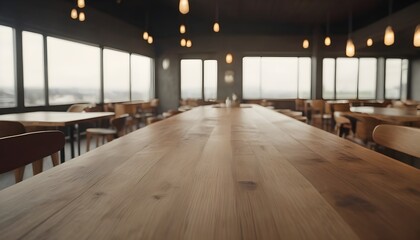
{"type": "Point", "coordinates": [52, 119]}
{"type": "Point", "coordinates": [402, 115]}
{"type": "Point", "coordinates": [219, 173]}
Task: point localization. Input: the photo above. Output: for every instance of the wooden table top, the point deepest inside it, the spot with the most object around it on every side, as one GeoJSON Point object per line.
{"type": "Point", "coordinates": [54, 119]}
{"type": "Point", "coordinates": [219, 173]}
{"type": "Point", "coordinates": [390, 114]}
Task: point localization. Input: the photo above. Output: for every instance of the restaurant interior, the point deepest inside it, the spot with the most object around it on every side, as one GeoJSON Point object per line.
{"type": "Point", "coordinates": [84, 81]}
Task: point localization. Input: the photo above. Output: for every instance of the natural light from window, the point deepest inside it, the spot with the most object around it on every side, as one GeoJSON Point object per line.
{"type": "Point", "coordinates": [7, 68]}
{"type": "Point", "coordinates": [367, 78]}
{"type": "Point", "coordinates": [392, 78]}
{"type": "Point", "coordinates": [210, 79]}
{"type": "Point", "coordinates": [346, 81]}
{"type": "Point", "coordinates": [116, 76]}
{"type": "Point", "coordinates": [191, 78]}
{"type": "Point", "coordinates": [141, 77]}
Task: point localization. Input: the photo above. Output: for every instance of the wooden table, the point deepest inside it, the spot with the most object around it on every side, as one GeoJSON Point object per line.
{"type": "Point", "coordinates": [396, 115]}
{"type": "Point", "coordinates": [56, 119]}
{"type": "Point", "coordinates": [219, 173]}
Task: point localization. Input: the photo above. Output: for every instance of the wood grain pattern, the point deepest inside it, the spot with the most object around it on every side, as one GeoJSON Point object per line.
{"type": "Point", "coordinates": [219, 173]}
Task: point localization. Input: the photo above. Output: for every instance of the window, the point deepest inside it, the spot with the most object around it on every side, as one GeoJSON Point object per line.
{"type": "Point", "coordinates": [346, 78]}
{"type": "Point", "coordinates": [367, 78]}
{"type": "Point", "coordinates": [404, 79]}
{"type": "Point", "coordinates": [33, 68]}
{"type": "Point", "coordinates": [7, 68]}
{"type": "Point", "coordinates": [116, 76]}
{"type": "Point", "coordinates": [349, 78]}
{"type": "Point", "coordinates": [393, 78]}
{"type": "Point", "coordinates": [141, 77]}
{"type": "Point", "coordinates": [210, 79]}
{"type": "Point", "coordinates": [191, 78]}
{"type": "Point", "coordinates": [276, 77]}
{"type": "Point", "coordinates": [73, 72]}
{"type": "Point", "coordinates": [328, 78]}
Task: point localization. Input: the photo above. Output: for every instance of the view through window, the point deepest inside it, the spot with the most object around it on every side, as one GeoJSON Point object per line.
{"type": "Point", "coordinates": [141, 77]}
{"type": "Point", "coordinates": [7, 68]}
{"type": "Point", "coordinates": [116, 76]}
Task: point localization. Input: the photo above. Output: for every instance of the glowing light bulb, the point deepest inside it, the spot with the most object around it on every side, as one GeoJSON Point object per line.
{"type": "Point", "coordinates": [82, 16]}
{"type": "Point", "coordinates": [184, 6]}
{"type": "Point", "coordinates": [73, 14]}
{"type": "Point", "coordinates": [369, 42]}
{"type": "Point", "coordinates": [150, 39]}
{"type": "Point", "coordinates": [145, 35]}
{"type": "Point", "coordinates": [183, 42]}
{"type": "Point", "coordinates": [81, 3]}
{"type": "Point", "coordinates": [389, 36]}
{"type": "Point", "coordinates": [189, 43]}
{"type": "Point", "coordinates": [350, 50]}
{"type": "Point", "coordinates": [327, 41]}
{"type": "Point", "coordinates": [416, 39]}
{"type": "Point", "coordinates": [182, 28]}
{"type": "Point", "coordinates": [216, 27]}
{"type": "Point", "coordinates": [305, 43]}
{"type": "Point", "coordinates": [229, 58]}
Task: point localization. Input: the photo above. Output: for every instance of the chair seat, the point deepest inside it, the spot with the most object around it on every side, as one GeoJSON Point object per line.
{"type": "Point", "coordinates": [102, 131]}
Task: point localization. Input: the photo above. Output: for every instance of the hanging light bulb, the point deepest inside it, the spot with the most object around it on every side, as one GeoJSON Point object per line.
{"type": "Point", "coordinates": [350, 50]}
{"type": "Point", "coordinates": [305, 43]}
{"type": "Point", "coordinates": [183, 42]}
{"type": "Point", "coordinates": [416, 39]}
{"type": "Point", "coordinates": [182, 28]}
{"type": "Point", "coordinates": [145, 35]}
{"type": "Point", "coordinates": [189, 43]}
{"type": "Point", "coordinates": [216, 27]}
{"type": "Point", "coordinates": [184, 6]}
{"type": "Point", "coordinates": [81, 3]}
{"type": "Point", "coordinates": [389, 36]}
{"type": "Point", "coordinates": [73, 13]}
{"type": "Point", "coordinates": [327, 41]}
{"type": "Point", "coordinates": [82, 16]}
{"type": "Point", "coordinates": [150, 39]}
{"type": "Point", "coordinates": [369, 42]}
{"type": "Point", "coordinates": [229, 58]}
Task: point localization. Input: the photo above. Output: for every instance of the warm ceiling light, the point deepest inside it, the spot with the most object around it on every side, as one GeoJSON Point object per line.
{"type": "Point", "coordinates": [229, 58]}
{"type": "Point", "coordinates": [82, 16]}
{"type": "Point", "coordinates": [369, 42]}
{"type": "Point", "coordinates": [389, 36]}
{"type": "Point", "coordinates": [81, 3]}
{"type": "Point", "coordinates": [189, 43]}
{"type": "Point", "coordinates": [216, 27]}
{"type": "Point", "coordinates": [305, 43]}
{"type": "Point", "coordinates": [350, 50]}
{"type": "Point", "coordinates": [416, 39]}
{"type": "Point", "coordinates": [73, 13]}
{"type": "Point", "coordinates": [327, 41]}
{"type": "Point", "coordinates": [145, 35]}
{"type": "Point", "coordinates": [182, 28]}
{"type": "Point", "coordinates": [183, 42]}
{"type": "Point", "coordinates": [150, 39]}
{"type": "Point", "coordinates": [184, 6]}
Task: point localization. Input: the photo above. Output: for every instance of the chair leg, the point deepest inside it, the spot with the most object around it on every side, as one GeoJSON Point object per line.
{"type": "Point", "coordinates": [88, 137]}
{"type": "Point", "coordinates": [109, 138]}
{"type": "Point", "coordinates": [19, 174]}
{"type": "Point", "coordinates": [37, 166]}
{"type": "Point", "coordinates": [55, 159]}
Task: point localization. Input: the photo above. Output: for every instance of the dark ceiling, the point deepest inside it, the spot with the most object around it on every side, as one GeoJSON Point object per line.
{"type": "Point", "coordinates": [162, 17]}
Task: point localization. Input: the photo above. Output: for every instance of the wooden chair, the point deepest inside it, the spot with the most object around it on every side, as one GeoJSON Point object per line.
{"type": "Point", "coordinates": [400, 138]}
{"type": "Point", "coordinates": [119, 125]}
{"type": "Point", "coordinates": [151, 120]}
{"type": "Point", "coordinates": [19, 150]}
{"type": "Point", "coordinates": [317, 111]}
{"type": "Point", "coordinates": [364, 129]}
{"type": "Point", "coordinates": [342, 124]}
{"type": "Point", "coordinates": [79, 107]}
{"type": "Point", "coordinates": [339, 107]}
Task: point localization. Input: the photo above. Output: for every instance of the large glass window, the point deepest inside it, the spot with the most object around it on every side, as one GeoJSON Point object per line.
{"type": "Point", "coordinates": [141, 77]}
{"type": "Point", "coordinates": [191, 78]}
{"type": "Point", "coordinates": [73, 72]}
{"type": "Point", "coordinates": [7, 68]}
{"type": "Point", "coordinates": [404, 79]}
{"type": "Point", "coordinates": [116, 76]}
{"type": "Point", "coordinates": [393, 78]}
{"type": "Point", "coordinates": [33, 68]}
{"type": "Point", "coordinates": [210, 79]}
{"type": "Point", "coordinates": [367, 78]}
{"type": "Point", "coordinates": [276, 77]}
{"type": "Point", "coordinates": [346, 78]}
{"type": "Point", "coordinates": [328, 78]}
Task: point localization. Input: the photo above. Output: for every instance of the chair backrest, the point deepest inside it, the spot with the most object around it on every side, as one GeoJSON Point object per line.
{"type": "Point", "coordinates": [400, 138]}
{"type": "Point", "coordinates": [9, 128]}
{"type": "Point", "coordinates": [317, 106]}
{"type": "Point", "coordinates": [365, 126]}
{"type": "Point", "coordinates": [341, 107]}
{"type": "Point", "coordinates": [19, 150]}
{"type": "Point", "coordinates": [119, 124]}
{"type": "Point", "coordinates": [79, 107]}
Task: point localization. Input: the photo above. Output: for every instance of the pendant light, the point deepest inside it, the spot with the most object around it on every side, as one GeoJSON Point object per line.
{"type": "Point", "coordinates": [327, 40]}
{"type": "Point", "coordinates": [184, 6]}
{"type": "Point", "coordinates": [73, 13]}
{"type": "Point", "coordinates": [416, 39]}
{"type": "Point", "coordinates": [216, 26]}
{"type": "Point", "coordinates": [145, 35]}
{"type": "Point", "coordinates": [189, 43]}
{"type": "Point", "coordinates": [350, 49]}
{"type": "Point", "coordinates": [305, 43]}
{"type": "Point", "coordinates": [81, 3]}
{"type": "Point", "coordinates": [389, 33]}
{"type": "Point", "coordinates": [229, 58]}
{"type": "Point", "coordinates": [82, 16]}
{"type": "Point", "coordinates": [150, 39]}
{"type": "Point", "coordinates": [182, 29]}
{"type": "Point", "coordinates": [183, 42]}
{"type": "Point", "coordinates": [369, 42]}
